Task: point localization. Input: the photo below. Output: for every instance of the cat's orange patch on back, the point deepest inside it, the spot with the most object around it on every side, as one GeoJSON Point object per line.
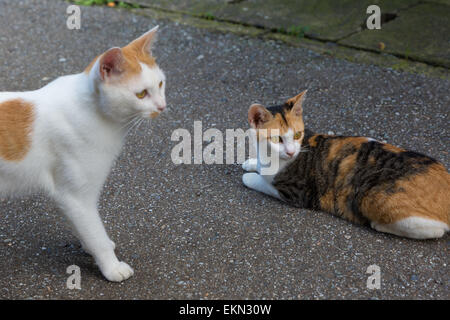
{"type": "Point", "coordinates": [337, 146]}
{"type": "Point", "coordinates": [425, 195]}
{"type": "Point", "coordinates": [312, 141]}
{"type": "Point", "coordinates": [344, 179]}
{"type": "Point", "coordinates": [327, 201]}
{"type": "Point", "coordinates": [335, 199]}
{"type": "Point", "coordinates": [16, 120]}
{"type": "Point", "coordinates": [391, 148]}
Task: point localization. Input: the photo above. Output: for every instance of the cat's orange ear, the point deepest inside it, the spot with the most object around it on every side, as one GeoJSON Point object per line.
{"type": "Point", "coordinates": [145, 41]}
{"type": "Point", "coordinates": [297, 103]}
{"type": "Point", "coordinates": [111, 63]}
{"type": "Point", "coordinates": [258, 115]}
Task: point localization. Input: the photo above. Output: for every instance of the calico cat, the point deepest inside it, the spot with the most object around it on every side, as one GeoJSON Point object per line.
{"type": "Point", "coordinates": [357, 178]}
{"type": "Point", "coordinates": [63, 138]}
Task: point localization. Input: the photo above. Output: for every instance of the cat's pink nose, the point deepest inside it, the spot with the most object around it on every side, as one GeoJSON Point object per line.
{"type": "Point", "coordinates": [161, 107]}
{"type": "Point", "coordinates": [290, 153]}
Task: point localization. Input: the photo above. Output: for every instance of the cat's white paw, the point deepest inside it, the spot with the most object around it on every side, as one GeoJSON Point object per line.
{"type": "Point", "coordinates": [250, 179]}
{"type": "Point", "coordinates": [250, 164]}
{"type": "Point", "coordinates": [117, 272]}
{"type": "Point", "coordinates": [256, 182]}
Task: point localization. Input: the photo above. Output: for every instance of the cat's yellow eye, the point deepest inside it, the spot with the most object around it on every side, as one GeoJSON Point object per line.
{"type": "Point", "coordinates": [297, 135]}
{"type": "Point", "coordinates": [275, 139]}
{"type": "Point", "coordinates": [142, 94]}
{"type": "Point", "coordinates": [160, 84]}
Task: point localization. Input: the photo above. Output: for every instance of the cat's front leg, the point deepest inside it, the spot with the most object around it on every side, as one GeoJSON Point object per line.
{"type": "Point", "coordinates": [113, 244]}
{"type": "Point", "coordinates": [250, 164]}
{"type": "Point", "coordinates": [257, 182]}
{"type": "Point", "coordinates": [84, 217]}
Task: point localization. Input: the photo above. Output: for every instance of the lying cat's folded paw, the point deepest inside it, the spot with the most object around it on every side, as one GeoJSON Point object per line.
{"type": "Point", "coordinates": [250, 165]}
{"type": "Point", "coordinates": [250, 179]}
{"type": "Point", "coordinates": [118, 272]}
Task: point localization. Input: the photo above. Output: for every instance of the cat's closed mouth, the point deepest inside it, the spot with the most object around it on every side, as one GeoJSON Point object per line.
{"type": "Point", "coordinates": [154, 114]}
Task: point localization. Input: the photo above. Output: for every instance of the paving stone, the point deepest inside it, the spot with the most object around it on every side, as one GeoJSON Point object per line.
{"type": "Point", "coordinates": [322, 19]}
{"type": "Point", "coordinates": [421, 33]}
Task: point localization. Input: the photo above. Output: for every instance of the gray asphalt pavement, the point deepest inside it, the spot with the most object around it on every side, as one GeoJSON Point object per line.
{"type": "Point", "coordinates": [194, 231]}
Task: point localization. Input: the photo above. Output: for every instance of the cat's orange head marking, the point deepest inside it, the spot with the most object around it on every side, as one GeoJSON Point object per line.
{"type": "Point", "coordinates": [16, 120]}
{"type": "Point", "coordinates": [291, 117]}
{"type": "Point", "coordinates": [128, 80]}
{"type": "Point", "coordinates": [126, 61]}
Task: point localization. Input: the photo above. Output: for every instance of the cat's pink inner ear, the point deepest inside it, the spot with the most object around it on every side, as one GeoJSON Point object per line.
{"type": "Point", "coordinates": [297, 101]}
{"type": "Point", "coordinates": [258, 115]}
{"type": "Point", "coordinates": [111, 63]}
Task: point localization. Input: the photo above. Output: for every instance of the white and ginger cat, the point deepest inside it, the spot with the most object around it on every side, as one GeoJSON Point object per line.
{"type": "Point", "coordinates": [63, 138]}
{"type": "Point", "coordinates": [357, 178]}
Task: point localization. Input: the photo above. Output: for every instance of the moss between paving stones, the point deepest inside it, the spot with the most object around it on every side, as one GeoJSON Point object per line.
{"type": "Point", "coordinates": [327, 20]}
{"type": "Point", "coordinates": [420, 33]}
{"type": "Point", "coordinates": [447, 2]}
{"type": "Point", "coordinates": [320, 19]}
{"type": "Point", "coordinates": [327, 49]}
{"type": "Point", "coordinates": [201, 23]}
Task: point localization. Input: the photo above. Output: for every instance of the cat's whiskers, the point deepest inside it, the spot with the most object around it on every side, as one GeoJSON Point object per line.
{"type": "Point", "coordinates": [139, 124]}
{"type": "Point", "coordinates": [135, 125]}
{"type": "Point", "coordinates": [304, 150]}
{"type": "Point", "coordinates": [132, 120]}
{"type": "Point", "coordinates": [131, 116]}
